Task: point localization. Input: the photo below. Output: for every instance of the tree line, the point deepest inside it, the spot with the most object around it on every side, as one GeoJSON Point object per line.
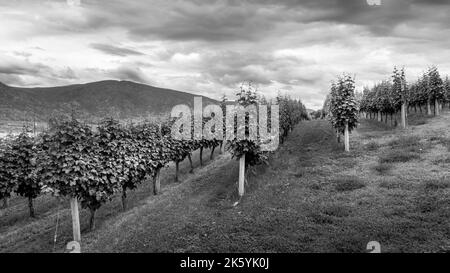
{"type": "Point", "coordinates": [385, 100]}
{"type": "Point", "coordinates": [428, 94]}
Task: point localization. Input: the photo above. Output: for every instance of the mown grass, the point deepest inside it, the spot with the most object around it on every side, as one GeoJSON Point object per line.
{"type": "Point", "coordinates": [444, 141]}
{"type": "Point", "coordinates": [437, 185]}
{"type": "Point", "coordinates": [398, 157]}
{"type": "Point", "coordinates": [442, 161]}
{"type": "Point", "coordinates": [417, 119]}
{"type": "Point", "coordinates": [389, 184]}
{"type": "Point", "coordinates": [402, 149]}
{"type": "Point", "coordinates": [348, 184]}
{"type": "Point", "coordinates": [337, 210]}
{"type": "Point", "coordinates": [403, 142]}
{"type": "Point", "coordinates": [382, 168]}
{"type": "Point", "coordinates": [372, 146]}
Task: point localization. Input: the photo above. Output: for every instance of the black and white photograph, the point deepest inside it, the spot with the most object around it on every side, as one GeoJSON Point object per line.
{"type": "Point", "coordinates": [205, 127]}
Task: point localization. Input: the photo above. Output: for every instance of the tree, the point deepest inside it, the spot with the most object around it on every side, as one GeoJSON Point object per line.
{"type": "Point", "coordinates": [447, 90]}
{"type": "Point", "coordinates": [399, 95]}
{"type": "Point", "coordinates": [436, 91]}
{"type": "Point", "coordinates": [343, 106]}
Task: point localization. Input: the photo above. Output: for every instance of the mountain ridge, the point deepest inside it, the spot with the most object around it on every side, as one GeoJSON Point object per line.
{"type": "Point", "coordinates": [93, 100]}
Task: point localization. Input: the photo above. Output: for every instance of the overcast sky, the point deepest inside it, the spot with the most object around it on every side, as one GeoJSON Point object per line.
{"type": "Point", "coordinates": [209, 47]}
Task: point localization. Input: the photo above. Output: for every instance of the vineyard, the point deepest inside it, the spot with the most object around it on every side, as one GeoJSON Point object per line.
{"type": "Point", "coordinates": [73, 161]}
{"type": "Point", "coordinates": [392, 187]}
{"type": "Point", "coordinates": [311, 186]}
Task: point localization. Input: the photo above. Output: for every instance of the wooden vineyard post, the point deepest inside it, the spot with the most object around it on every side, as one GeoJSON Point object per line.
{"type": "Point", "coordinates": [222, 147]}
{"type": "Point", "coordinates": [211, 157]}
{"type": "Point", "coordinates": [436, 107]}
{"type": "Point", "coordinates": [404, 116]}
{"type": "Point", "coordinates": [75, 220]}
{"type": "Point", "coordinates": [5, 203]}
{"type": "Point", "coordinates": [428, 107]}
{"type": "Point", "coordinates": [157, 182]}
{"type": "Point", "coordinates": [190, 164]}
{"type": "Point", "coordinates": [177, 170]}
{"type": "Point", "coordinates": [347, 138]}
{"type": "Point", "coordinates": [241, 188]}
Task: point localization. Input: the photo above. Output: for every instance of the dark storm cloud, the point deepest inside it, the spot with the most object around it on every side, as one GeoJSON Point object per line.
{"type": "Point", "coordinates": [115, 50]}
{"type": "Point", "coordinates": [251, 20]}
{"type": "Point", "coordinates": [230, 20]}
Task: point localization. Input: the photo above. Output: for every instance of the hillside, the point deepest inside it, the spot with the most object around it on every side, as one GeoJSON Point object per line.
{"type": "Point", "coordinates": [120, 99]}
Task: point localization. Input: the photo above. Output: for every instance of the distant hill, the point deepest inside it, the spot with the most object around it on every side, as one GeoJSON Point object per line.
{"type": "Point", "coordinates": [119, 99]}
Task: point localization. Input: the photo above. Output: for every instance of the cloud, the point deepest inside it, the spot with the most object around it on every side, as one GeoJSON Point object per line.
{"type": "Point", "coordinates": [210, 47]}
{"type": "Point", "coordinates": [115, 50]}
{"type": "Point", "coordinates": [17, 66]}
{"type": "Point", "coordinates": [129, 73]}
{"type": "Point", "coordinates": [11, 79]}
{"type": "Point", "coordinates": [23, 72]}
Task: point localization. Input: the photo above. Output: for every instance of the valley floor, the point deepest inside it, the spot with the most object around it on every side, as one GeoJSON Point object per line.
{"type": "Point", "coordinates": [393, 187]}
